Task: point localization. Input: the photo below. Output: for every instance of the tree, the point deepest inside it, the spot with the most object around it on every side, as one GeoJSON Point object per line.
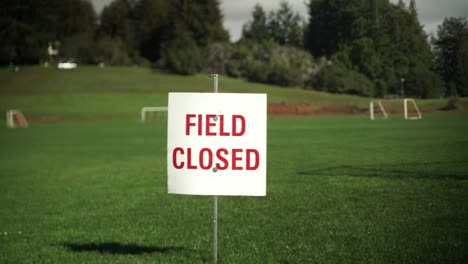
{"type": "Point", "coordinates": [151, 21]}
{"type": "Point", "coordinates": [202, 19]}
{"type": "Point", "coordinates": [117, 26]}
{"type": "Point", "coordinates": [327, 28]}
{"type": "Point", "coordinates": [285, 26]}
{"type": "Point", "coordinates": [382, 40]}
{"type": "Point", "coordinates": [26, 27]}
{"type": "Point", "coordinates": [193, 25]}
{"type": "Point", "coordinates": [256, 29]}
{"type": "Point", "coordinates": [182, 55]}
{"type": "Point", "coordinates": [451, 55]}
{"type": "Point", "coordinates": [77, 30]}
{"type": "Point", "coordinates": [19, 41]}
{"type": "Point", "coordinates": [116, 21]}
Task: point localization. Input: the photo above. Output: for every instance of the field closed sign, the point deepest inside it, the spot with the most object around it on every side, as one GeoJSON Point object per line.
{"type": "Point", "coordinates": [216, 144]}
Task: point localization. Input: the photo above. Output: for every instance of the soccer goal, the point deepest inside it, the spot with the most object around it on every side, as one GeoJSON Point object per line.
{"type": "Point", "coordinates": [145, 111]}
{"type": "Point", "coordinates": [15, 118]}
{"type": "Point", "coordinates": [383, 109]}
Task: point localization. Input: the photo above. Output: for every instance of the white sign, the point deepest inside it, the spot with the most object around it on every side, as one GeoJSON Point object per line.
{"type": "Point", "coordinates": [216, 144]}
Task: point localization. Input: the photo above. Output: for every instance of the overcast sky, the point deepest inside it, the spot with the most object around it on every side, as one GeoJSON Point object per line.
{"type": "Point", "coordinates": [238, 12]}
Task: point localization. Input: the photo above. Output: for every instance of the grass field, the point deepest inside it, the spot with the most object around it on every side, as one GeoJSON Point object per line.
{"type": "Point", "coordinates": [341, 189]}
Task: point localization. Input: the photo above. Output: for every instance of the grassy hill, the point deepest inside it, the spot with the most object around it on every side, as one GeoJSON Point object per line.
{"type": "Point", "coordinates": [116, 92]}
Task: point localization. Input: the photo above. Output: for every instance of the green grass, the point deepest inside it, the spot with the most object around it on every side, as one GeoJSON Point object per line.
{"type": "Point", "coordinates": [90, 92]}
{"type": "Point", "coordinates": [120, 92]}
{"type": "Point", "coordinates": [123, 91]}
{"type": "Point", "coordinates": [92, 188]}
{"type": "Point", "coordinates": [340, 190]}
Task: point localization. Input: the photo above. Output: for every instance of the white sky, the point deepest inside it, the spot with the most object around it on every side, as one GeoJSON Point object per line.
{"type": "Point", "coordinates": [238, 12]}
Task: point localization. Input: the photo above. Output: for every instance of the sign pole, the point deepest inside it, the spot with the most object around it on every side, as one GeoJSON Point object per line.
{"type": "Point", "coordinates": [215, 230]}
{"type": "Point", "coordinates": [215, 201]}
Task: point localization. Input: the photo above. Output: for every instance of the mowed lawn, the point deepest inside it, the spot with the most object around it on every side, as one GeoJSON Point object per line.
{"type": "Point", "coordinates": [87, 182]}
{"type": "Point", "coordinates": [340, 190]}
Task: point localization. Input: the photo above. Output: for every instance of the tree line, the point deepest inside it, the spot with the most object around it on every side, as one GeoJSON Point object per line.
{"type": "Point", "coordinates": [363, 47]}
{"type": "Point", "coordinates": [169, 34]}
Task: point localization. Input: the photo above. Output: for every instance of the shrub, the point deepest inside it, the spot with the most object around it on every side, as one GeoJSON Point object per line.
{"type": "Point", "coordinates": [182, 56]}
{"type": "Point", "coordinates": [271, 63]}
{"type": "Point", "coordinates": [112, 52]}
{"type": "Point", "coordinates": [239, 58]}
{"type": "Point", "coordinates": [216, 56]}
{"type": "Point", "coordinates": [335, 78]}
{"type": "Point", "coordinates": [452, 104]}
{"type": "Point", "coordinates": [423, 83]}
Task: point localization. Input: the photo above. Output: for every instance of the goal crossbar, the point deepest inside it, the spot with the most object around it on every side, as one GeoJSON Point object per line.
{"type": "Point", "coordinates": [148, 109]}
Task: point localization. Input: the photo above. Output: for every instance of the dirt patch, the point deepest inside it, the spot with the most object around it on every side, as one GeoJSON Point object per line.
{"type": "Point", "coordinates": [58, 119]}
{"type": "Point", "coordinates": [308, 109]}
{"type": "Point", "coordinates": [45, 119]}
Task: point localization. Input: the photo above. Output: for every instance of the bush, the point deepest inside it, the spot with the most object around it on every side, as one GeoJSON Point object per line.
{"type": "Point", "coordinates": [112, 52]}
{"type": "Point", "coordinates": [290, 66]}
{"type": "Point", "coordinates": [182, 56]}
{"type": "Point", "coordinates": [335, 78]}
{"type": "Point", "coordinates": [452, 104]}
{"type": "Point", "coordinates": [271, 63]}
{"type": "Point", "coordinates": [423, 83]}
{"type": "Point", "coordinates": [217, 55]}
{"type": "Point", "coordinates": [79, 48]}
{"type": "Point", "coordinates": [239, 57]}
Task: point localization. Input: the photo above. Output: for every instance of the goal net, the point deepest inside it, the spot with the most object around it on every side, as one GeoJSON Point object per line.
{"type": "Point", "coordinates": [15, 118]}
{"type": "Point", "coordinates": [384, 109]}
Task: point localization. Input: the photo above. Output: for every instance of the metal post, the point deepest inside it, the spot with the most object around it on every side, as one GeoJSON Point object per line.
{"type": "Point", "coordinates": [215, 201]}
{"type": "Point", "coordinates": [215, 230]}
{"type": "Point", "coordinates": [402, 87]}
{"type": "Point", "coordinates": [215, 79]}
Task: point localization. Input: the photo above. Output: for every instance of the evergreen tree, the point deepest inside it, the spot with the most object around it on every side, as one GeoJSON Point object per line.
{"type": "Point", "coordinates": [27, 26]}
{"type": "Point", "coordinates": [116, 21]}
{"type": "Point", "coordinates": [256, 29]}
{"type": "Point", "coordinates": [285, 26]}
{"type": "Point", "coordinates": [381, 40]}
{"type": "Point", "coordinates": [157, 30]}
{"type": "Point", "coordinates": [202, 19]}
{"type": "Point", "coordinates": [451, 55]}
{"type": "Point", "coordinates": [193, 25]}
{"type": "Point", "coordinates": [117, 30]}
{"type": "Point", "coordinates": [151, 25]}
{"type": "Point", "coordinates": [19, 42]}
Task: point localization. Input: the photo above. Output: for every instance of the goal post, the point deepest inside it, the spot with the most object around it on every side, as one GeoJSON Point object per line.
{"type": "Point", "coordinates": [381, 108]}
{"type": "Point", "coordinates": [415, 106]}
{"type": "Point", "coordinates": [15, 118]}
{"type": "Point", "coordinates": [147, 109]}
{"type": "Point", "coordinates": [405, 107]}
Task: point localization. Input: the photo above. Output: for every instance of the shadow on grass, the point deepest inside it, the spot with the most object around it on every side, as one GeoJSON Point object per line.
{"type": "Point", "coordinates": [115, 248]}
{"type": "Point", "coordinates": [404, 170]}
